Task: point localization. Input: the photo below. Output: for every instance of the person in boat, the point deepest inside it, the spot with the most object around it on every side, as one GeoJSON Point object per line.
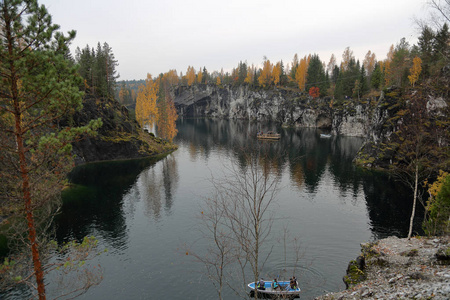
{"type": "Point", "coordinates": [275, 284]}
{"type": "Point", "coordinates": [261, 285]}
{"type": "Point", "coordinates": [292, 283]}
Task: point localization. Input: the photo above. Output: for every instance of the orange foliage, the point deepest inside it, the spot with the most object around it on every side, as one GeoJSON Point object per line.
{"type": "Point", "coordinates": [314, 92]}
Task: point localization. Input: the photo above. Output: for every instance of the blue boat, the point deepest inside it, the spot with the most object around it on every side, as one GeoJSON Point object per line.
{"type": "Point", "coordinates": [285, 291]}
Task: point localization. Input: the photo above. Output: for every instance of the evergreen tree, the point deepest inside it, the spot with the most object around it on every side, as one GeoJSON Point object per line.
{"type": "Point", "coordinates": [316, 74]}
{"type": "Point", "coordinates": [441, 47]}
{"type": "Point", "coordinates": [377, 77]}
{"type": "Point", "coordinates": [425, 44]}
{"type": "Point", "coordinates": [98, 69]}
{"type": "Point", "coordinates": [205, 77]}
{"type": "Point", "coordinates": [283, 76]}
{"type": "Point", "coordinates": [38, 87]}
{"type": "Point", "coordinates": [242, 72]}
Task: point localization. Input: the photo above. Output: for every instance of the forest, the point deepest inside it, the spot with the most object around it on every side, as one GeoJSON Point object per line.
{"type": "Point", "coordinates": [405, 66]}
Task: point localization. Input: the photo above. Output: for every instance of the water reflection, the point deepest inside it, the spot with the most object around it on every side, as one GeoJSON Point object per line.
{"type": "Point", "coordinates": [95, 203]}
{"type": "Point", "coordinates": [155, 186]}
{"type": "Point", "coordinates": [307, 157]}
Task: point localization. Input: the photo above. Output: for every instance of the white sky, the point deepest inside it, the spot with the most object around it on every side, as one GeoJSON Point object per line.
{"type": "Point", "coordinates": [158, 35]}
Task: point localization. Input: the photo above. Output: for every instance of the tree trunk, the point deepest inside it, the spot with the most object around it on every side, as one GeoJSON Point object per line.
{"type": "Point", "coordinates": [416, 186]}
{"type": "Point", "coordinates": [39, 274]}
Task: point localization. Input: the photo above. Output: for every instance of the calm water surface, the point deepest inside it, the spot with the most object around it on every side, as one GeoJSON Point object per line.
{"type": "Point", "coordinates": [145, 211]}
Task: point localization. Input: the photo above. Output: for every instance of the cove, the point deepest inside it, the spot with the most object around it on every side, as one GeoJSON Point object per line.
{"type": "Point", "coordinates": [145, 211]}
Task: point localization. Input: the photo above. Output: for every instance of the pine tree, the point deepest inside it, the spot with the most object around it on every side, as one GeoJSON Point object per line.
{"type": "Point", "coordinates": [38, 87]}
{"type": "Point", "coordinates": [425, 44]}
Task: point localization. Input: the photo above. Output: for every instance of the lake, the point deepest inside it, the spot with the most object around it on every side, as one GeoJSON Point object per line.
{"type": "Point", "coordinates": [146, 211]}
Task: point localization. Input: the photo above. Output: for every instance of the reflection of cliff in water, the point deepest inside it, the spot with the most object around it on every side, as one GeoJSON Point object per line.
{"type": "Point", "coordinates": [308, 158]}
{"type": "Point", "coordinates": [95, 203]}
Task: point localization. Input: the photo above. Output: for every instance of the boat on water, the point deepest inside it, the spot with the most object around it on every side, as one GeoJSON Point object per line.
{"type": "Point", "coordinates": [270, 135]}
{"type": "Point", "coordinates": [285, 291]}
{"type": "Point", "coordinates": [325, 136]}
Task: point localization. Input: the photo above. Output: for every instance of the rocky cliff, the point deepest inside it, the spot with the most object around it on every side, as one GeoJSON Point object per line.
{"type": "Point", "coordinates": [120, 137]}
{"type": "Point", "coordinates": [287, 107]}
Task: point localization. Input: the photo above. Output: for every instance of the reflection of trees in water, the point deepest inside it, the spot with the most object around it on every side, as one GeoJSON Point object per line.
{"type": "Point", "coordinates": [96, 204]}
{"type": "Point", "coordinates": [308, 158]}
{"type": "Point", "coordinates": [389, 206]}
{"type": "Point", "coordinates": [155, 186]}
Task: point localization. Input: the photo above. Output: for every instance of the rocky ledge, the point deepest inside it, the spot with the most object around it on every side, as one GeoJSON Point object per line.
{"type": "Point", "coordinates": [120, 137]}
{"type": "Point", "coordinates": [394, 268]}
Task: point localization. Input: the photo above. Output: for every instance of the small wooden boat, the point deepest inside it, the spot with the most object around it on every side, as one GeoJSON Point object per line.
{"type": "Point", "coordinates": [270, 135]}
{"type": "Point", "coordinates": [325, 136]}
{"type": "Point", "coordinates": [285, 291]}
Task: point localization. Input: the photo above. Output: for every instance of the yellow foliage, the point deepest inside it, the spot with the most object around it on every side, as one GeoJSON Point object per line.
{"type": "Point", "coordinates": [266, 77]}
{"type": "Point", "coordinates": [276, 73]}
{"type": "Point", "coordinates": [415, 70]}
{"type": "Point", "coordinates": [250, 75]}
{"type": "Point", "coordinates": [146, 108]}
{"type": "Point", "coordinates": [190, 75]}
{"type": "Point", "coordinates": [300, 74]}
{"type": "Point", "coordinates": [435, 188]}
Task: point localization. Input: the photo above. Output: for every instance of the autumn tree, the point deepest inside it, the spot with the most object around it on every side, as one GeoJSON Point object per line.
{"type": "Point", "coordinates": [437, 219]}
{"type": "Point", "coordinates": [38, 87]}
{"type": "Point", "coordinates": [347, 57]}
{"type": "Point", "coordinates": [415, 70]}
{"type": "Point", "coordinates": [331, 64]}
{"type": "Point", "coordinates": [172, 78]}
{"type": "Point", "coordinates": [250, 78]}
{"type": "Point", "coordinates": [277, 74]}
{"type": "Point", "coordinates": [190, 75]}
{"type": "Point", "coordinates": [369, 63]}
{"type": "Point", "coordinates": [146, 108]}
{"type": "Point", "coordinates": [387, 66]}
{"type": "Point", "coordinates": [200, 76]}
{"type": "Point", "coordinates": [266, 77]}
{"type": "Point", "coordinates": [314, 92]}
{"type": "Point", "coordinates": [301, 73]}
{"type": "Point", "coordinates": [166, 112]}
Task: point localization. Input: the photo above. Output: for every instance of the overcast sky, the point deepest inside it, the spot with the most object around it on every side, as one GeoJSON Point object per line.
{"type": "Point", "coordinates": [156, 36]}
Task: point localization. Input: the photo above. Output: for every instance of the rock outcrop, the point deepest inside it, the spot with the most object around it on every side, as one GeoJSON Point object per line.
{"type": "Point", "coordinates": [120, 137]}
{"type": "Point", "coordinates": [287, 107]}
{"type": "Point", "coordinates": [400, 269]}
